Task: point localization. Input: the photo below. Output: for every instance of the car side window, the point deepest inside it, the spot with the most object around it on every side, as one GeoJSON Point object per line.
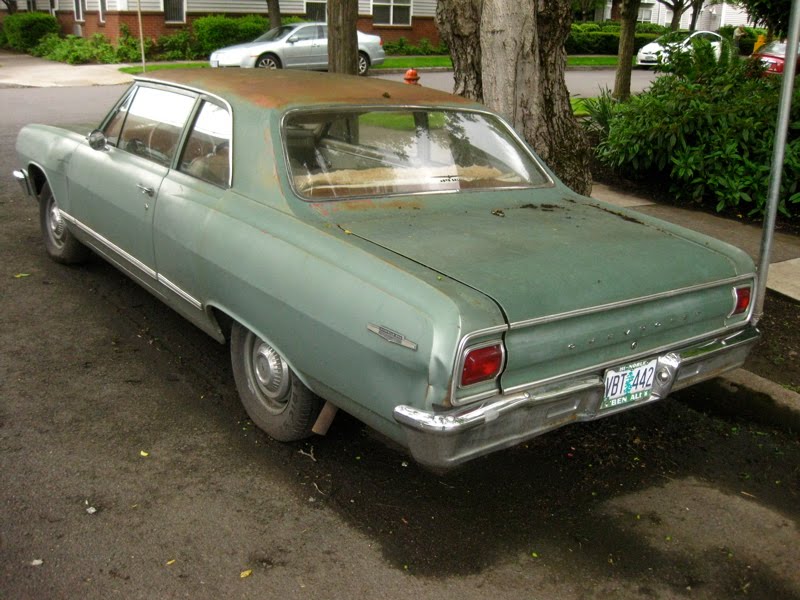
{"type": "Point", "coordinates": [154, 124]}
{"type": "Point", "coordinates": [305, 33]}
{"type": "Point", "coordinates": [114, 125]}
{"type": "Point", "coordinates": [206, 154]}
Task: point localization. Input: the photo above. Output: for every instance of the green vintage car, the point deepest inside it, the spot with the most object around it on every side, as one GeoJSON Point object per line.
{"type": "Point", "coordinates": [388, 250]}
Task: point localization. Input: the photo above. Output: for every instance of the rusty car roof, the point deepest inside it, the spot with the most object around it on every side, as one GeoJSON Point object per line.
{"type": "Point", "coordinates": [285, 88]}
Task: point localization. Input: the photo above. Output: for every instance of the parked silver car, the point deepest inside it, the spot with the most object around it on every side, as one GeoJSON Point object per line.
{"type": "Point", "coordinates": [296, 46]}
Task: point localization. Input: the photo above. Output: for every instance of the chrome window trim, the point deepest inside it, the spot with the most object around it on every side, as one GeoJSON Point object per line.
{"type": "Point", "coordinates": [523, 145]}
{"type": "Point", "coordinates": [200, 93]}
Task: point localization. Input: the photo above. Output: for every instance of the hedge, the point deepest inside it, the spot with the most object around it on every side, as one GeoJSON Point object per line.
{"type": "Point", "coordinates": [24, 30]}
{"type": "Point", "coordinates": [602, 42]}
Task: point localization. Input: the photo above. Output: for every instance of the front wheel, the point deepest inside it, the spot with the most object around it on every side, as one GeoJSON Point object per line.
{"type": "Point", "coordinates": [268, 61]}
{"type": "Point", "coordinates": [363, 63]}
{"type": "Point", "coordinates": [59, 242]}
{"type": "Point", "coordinates": [273, 396]}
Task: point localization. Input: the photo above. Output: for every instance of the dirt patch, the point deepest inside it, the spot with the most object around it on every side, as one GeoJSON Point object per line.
{"type": "Point", "coordinates": [777, 355]}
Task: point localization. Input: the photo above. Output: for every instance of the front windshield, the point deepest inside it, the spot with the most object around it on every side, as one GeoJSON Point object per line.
{"type": "Point", "coordinates": [275, 34]}
{"type": "Point", "coordinates": [340, 154]}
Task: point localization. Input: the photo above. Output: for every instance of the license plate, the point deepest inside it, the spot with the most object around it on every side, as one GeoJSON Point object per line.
{"type": "Point", "coordinates": [627, 384]}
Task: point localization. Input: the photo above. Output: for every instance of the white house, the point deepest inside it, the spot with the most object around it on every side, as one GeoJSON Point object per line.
{"type": "Point", "coordinates": [711, 17]}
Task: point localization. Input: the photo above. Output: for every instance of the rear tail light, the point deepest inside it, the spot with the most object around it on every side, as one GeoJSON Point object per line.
{"type": "Point", "coordinates": [482, 364]}
{"type": "Point", "coordinates": [741, 299]}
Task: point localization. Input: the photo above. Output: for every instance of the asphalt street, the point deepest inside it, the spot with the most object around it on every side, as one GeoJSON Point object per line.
{"type": "Point", "coordinates": [129, 469]}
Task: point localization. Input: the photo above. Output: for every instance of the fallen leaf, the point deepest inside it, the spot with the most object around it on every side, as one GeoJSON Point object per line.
{"type": "Point", "coordinates": [171, 561]}
{"type": "Point", "coordinates": [21, 275]}
{"type": "Point", "coordinates": [246, 573]}
{"type": "Point", "coordinates": [37, 562]}
{"type": "Point", "coordinates": [143, 453]}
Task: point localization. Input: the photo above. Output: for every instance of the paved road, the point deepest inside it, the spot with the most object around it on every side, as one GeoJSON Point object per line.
{"type": "Point", "coordinates": [580, 83]}
{"type": "Point", "coordinates": [662, 502]}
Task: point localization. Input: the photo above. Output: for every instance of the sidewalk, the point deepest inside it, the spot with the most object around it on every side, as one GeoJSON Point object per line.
{"type": "Point", "coordinates": [21, 70]}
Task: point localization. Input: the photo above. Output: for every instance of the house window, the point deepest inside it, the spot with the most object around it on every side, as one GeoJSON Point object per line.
{"type": "Point", "coordinates": [391, 12]}
{"type": "Point", "coordinates": [174, 11]}
{"type": "Point", "coordinates": [645, 15]}
{"type": "Point", "coordinates": [78, 8]}
{"type": "Point", "coordinates": [102, 11]}
{"type": "Point", "coordinates": [316, 11]}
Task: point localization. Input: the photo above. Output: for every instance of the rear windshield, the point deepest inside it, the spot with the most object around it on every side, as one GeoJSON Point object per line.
{"type": "Point", "coordinates": [342, 154]}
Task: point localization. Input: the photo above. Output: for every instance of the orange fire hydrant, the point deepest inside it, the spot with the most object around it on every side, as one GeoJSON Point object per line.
{"type": "Point", "coordinates": [411, 77]}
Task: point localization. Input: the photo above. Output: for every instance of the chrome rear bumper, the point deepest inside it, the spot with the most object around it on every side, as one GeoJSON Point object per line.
{"type": "Point", "coordinates": [445, 439]}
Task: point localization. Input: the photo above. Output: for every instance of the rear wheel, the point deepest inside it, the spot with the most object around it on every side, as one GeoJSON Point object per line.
{"type": "Point", "coordinates": [268, 61]}
{"type": "Point", "coordinates": [59, 242]}
{"type": "Point", "coordinates": [363, 63]}
{"type": "Point", "coordinates": [273, 396]}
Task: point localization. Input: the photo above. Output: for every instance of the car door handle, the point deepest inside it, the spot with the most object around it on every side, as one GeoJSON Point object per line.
{"type": "Point", "coordinates": [146, 190]}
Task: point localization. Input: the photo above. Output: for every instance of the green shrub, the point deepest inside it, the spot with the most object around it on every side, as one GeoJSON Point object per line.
{"type": "Point", "coordinates": [3, 38]}
{"type": "Point", "coordinates": [181, 45]}
{"type": "Point", "coordinates": [24, 30]}
{"type": "Point", "coordinates": [76, 50]}
{"type": "Point", "coordinates": [424, 48]}
{"type": "Point", "coordinates": [129, 47]}
{"type": "Point", "coordinates": [602, 42]}
{"type": "Point", "coordinates": [707, 131]}
{"type": "Point", "coordinates": [217, 31]}
{"type": "Point", "coordinates": [651, 28]}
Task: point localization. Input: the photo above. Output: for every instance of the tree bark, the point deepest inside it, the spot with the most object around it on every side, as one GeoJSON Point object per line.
{"type": "Point", "coordinates": [629, 12]}
{"type": "Point", "coordinates": [459, 23]}
{"type": "Point", "coordinates": [342, 38]}
{"type": "Point", "coordinates": [274, 8]}
{"type": "Point", "coordinates": [523, 63]}
{"type": "Point", "coordinates": [697, 6]}
{"type": "Point", "coordinates": [11, 6]}
{"type": "Point", "coordinates": [678, 7]}
{"type": "Point", "coordinates": [615, 14]}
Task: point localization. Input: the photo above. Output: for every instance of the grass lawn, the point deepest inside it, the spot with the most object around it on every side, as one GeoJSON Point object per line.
{"type": "Point", "coordinates": [160, 66]}
{"type": "Point", "coordinates": [407, 62]}
{"type": "Point", "coordinates": [392, 62]}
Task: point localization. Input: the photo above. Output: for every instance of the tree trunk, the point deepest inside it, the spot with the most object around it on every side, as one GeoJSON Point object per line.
{"type": "Point", "coordinates": [627, 32]}
{"type": "Point", "coordinates": [274, 8]}
{"type": "Point", "coordinates": [459, 23]}
{"type": "Point", "coordinates": [342, 39]}
{"type": "Point", "coordinates": [697, 7]}
{"type": "Point", "coordinates": [523, 63]}
{"type": "Point", "coordinates": [615, 13]}
{"type": "Point", "coordinates": [11, 6]}
{"type": "Point", "coordinates": [677, 13]}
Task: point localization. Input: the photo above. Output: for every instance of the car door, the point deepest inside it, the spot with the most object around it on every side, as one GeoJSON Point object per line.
{"type": "Point", "coordinates": [113, 191]}
{"type": "Point", "coordinates": [189, 195]}
{"type": "Point", "coordinates": [321, 48]}
{"type": "Point", "coordinates": [300, 46]}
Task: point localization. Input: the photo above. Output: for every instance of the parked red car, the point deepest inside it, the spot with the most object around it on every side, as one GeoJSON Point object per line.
{"type": "Point", "coordinates": [773, 56]}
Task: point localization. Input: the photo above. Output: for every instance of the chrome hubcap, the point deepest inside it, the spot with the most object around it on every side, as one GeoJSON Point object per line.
{"type": "Point", "coordinates": [269, 374]}
{"type": "Point", "coordinates": [56, 223]}
{"type": "Point", "coordinates": [362, 64]}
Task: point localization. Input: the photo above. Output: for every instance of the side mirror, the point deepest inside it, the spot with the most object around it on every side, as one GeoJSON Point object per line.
{"type": "Point", "coordinates": [292, 40]}
{"type": "Point", "coordinates": [97, 140]}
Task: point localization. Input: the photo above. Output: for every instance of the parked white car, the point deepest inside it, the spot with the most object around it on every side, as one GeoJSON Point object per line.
{"type": "Point", "coordinates": [674, 41]}
{"type": "Point", "coordinates": [296, 46]}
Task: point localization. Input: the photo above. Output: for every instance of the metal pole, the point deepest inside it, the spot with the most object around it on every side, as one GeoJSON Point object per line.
{"type": "Point", "coordinates": [141, 32]}
{"type": "Point", "coordinates": [778, 152]}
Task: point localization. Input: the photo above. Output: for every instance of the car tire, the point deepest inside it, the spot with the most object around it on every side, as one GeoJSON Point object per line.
{"type": "Point", "coordinates": [273, 396]}
{"type": "Point", "coordinates": [59, 242]}
{"type": "Point", "coordinates": [268, 61]}
{"type": "Point", "coordinates": [363, 63]}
